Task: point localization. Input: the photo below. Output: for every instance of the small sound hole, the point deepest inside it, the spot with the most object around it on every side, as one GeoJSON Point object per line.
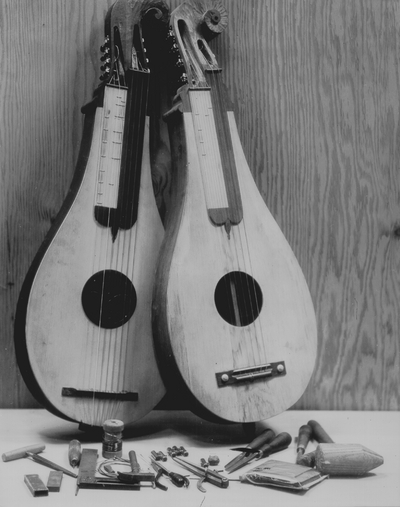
{"type": "Point", "coordinates": [109, 299]}
{"type": "Point", "coordinates": [238, 298]}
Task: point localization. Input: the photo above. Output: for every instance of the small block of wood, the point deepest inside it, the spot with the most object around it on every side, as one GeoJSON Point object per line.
{"type": "Point", "coordinates": [54, 481]}
{"type": "Point", "coordinates": [35, 485]}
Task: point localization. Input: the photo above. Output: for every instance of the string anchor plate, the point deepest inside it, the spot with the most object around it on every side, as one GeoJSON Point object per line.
{"type": "Point", "coordinates": [251, 373]}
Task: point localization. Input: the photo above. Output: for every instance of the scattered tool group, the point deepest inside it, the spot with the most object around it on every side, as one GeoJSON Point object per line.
{"type": "Point", "coordinates": [328, 458]}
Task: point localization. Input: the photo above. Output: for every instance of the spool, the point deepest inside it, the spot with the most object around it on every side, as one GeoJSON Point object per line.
{"type": "Point", "coordinates": [112, 438]}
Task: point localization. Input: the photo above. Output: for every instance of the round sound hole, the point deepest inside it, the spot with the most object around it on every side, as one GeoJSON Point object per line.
{"type": "Point", "coordinates": [238, 298]}
{"type": "Point", "coordinates": [109, 299]}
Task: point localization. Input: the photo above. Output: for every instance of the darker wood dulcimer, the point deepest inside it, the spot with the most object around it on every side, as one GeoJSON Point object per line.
{"type": "Point", "coordinates": [83, 327]}
{"type": "Point", "coordinates": [232, 314]}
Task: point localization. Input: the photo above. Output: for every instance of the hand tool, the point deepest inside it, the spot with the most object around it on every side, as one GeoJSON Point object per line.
{"type": "Point", "coordinates": [74, 453]}
{"type": "Point", "coordinates": [305, 433]}
{"type": "Point", "coordinates": [177, 479]}
{"type": "Point", "coordinates": [87, 475]}
{"type": "Point", "coordinates": [157, 482]}
{"type": "Point", "coordinates": [21, 452]}
{"type": "Point", "coordinates": [136, 476]}
{"type": "Point", "coordinates": [134, 462]}
{"type": "Point", "coordinates": [204, 474]}
{"type": "Point", "coordinates": [321, 436]}
{"type": "Point", "coordinates": [50, 464]}
{"type": "Point", "coordinates": [279, 443]}
{"type": "Point", "coordinates": [263, 438]}
{"type": "Point", "coordinates": [32, 452]}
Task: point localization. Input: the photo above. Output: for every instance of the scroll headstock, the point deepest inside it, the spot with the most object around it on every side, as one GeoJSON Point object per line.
{"type": "Point", "coordinates": [193, 24]}
{"type": "Point", "coordinates": [124, 47]}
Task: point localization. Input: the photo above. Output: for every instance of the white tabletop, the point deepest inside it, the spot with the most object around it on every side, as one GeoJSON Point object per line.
{"type": "Point", "coordinates": [378, 431]}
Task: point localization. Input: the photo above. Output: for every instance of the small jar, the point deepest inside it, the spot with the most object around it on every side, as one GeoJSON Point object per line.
{"type": "Point", "coordinates": [112, 438]}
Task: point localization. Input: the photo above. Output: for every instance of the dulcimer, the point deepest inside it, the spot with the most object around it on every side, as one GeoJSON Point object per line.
{"type": "Point", "coordinates": [233, 319]}
{"type": "Point", "coordinates": [83, 327]}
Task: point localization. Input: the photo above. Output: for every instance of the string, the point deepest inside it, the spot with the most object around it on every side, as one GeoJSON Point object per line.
{"type": "Point", "coordinates": [138, 108]}
{"type": "Point", "coordinates": [103, 257]}
{"type": "Point", "coordinates": [104, 139]}
{"type": "Point", "coordinates": [242, 249]}
{"type": "Point", "coordinates": [105, 345]}
{"type": "Point", "coordinates": [236, 281]}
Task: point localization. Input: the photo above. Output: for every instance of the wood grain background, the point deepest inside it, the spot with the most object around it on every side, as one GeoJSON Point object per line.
{"type": "Point", "coordinates": [316, 87]}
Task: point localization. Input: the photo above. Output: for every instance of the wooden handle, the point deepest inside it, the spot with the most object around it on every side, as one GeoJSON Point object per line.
{"type": "Point", "coordinates": [279, 443]}
{"type": "Point", "coordinates": [263, 438]}
{"type": "Point", "coordinates": [74, 452]}
{"type": "Point", "coordinates": [134, 463]}
{"type": "Point", "coordinates": [305, 433]}
{"type": "Point", "coordinates": [21, 452]}
{"type": "Point", "coordinates": [319, 433]}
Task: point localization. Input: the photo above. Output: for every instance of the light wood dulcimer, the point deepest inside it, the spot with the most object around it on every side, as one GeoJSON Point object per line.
{"type": "Point", "coordinates": [232, 314]}
{"type": "Point", "coordinates": [83, 328]}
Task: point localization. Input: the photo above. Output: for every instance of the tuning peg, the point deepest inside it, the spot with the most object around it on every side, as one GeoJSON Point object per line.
{"type": "Point", "coordinates": [104, 48]}
{"type": "Point", "coordinates": [106, 73]}
{"type": "Point", "coordinates": [183, 79]}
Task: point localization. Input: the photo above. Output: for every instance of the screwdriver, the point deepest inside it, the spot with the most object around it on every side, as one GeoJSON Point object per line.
{"type": "Point", "coordinates": [280, 442]}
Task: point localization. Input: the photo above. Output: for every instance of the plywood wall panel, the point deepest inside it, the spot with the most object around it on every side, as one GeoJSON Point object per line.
{"type": "Point", "coordinates": [316, 87]}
